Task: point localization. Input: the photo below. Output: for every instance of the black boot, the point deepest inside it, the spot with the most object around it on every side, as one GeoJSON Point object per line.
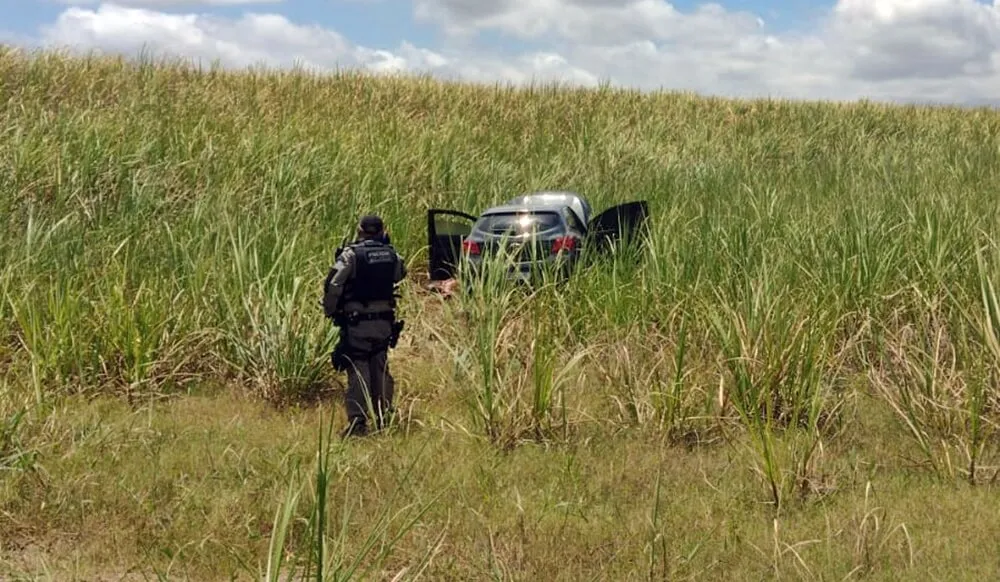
{"type": "Point", "coordinates": [356, 427]}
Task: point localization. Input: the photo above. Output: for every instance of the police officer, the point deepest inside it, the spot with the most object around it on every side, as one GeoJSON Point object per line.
{"type": "Point", "coordinates": [359, 295]}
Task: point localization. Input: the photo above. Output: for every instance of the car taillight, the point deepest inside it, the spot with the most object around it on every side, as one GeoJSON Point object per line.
{"type": "Point", "coordinates": [470, 247]}
{"type": "Point", "coordinates": [563, 243]}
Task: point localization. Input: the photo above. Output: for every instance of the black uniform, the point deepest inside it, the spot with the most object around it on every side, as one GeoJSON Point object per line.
{"type": "Point", "coordinates": [359, 295]}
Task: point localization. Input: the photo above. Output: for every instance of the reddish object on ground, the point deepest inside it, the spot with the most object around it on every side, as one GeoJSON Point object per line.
{"type": "Point", "coordinates": [446, 287]}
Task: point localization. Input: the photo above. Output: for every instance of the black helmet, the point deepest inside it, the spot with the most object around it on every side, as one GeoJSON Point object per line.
{"type": "Point", "coordinates": [372, 225]}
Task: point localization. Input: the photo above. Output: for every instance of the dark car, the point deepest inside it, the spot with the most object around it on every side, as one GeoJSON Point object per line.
{"type": "Point", "coordinates": [535, 230]}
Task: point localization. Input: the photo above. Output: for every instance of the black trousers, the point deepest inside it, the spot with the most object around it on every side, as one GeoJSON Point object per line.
{"type": "Point", "coordinates": [370, 388]}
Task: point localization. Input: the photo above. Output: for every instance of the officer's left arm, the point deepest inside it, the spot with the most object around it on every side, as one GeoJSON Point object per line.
{"type": "Point", "coordinates": [339, 275]}
{"type": "Point", "coordinates": [329, 278]}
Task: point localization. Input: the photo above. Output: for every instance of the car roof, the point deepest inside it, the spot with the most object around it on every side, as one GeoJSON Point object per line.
{"type": "Point", "coordinates": [546, 200]}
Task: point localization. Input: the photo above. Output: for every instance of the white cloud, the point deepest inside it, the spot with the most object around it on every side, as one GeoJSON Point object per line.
{"type": "Point", "coordinates": [930, 39]}
{"type": "Point", "coordinates": [253, 39]}
{"type": "Point", "coordinates": [894, 49]}
{"type": "Point", "coordinates": [273, 40]}
{"type": "Point", "coordinates": [588, 21]}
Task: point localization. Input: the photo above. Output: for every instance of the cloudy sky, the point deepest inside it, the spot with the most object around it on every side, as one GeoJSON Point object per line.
{"type": "Point", "coordinates": [904, 50]}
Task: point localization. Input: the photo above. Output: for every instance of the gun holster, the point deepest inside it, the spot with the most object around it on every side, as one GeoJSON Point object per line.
{"type": "Point", "coordinates": [339, 356]}
{"type": "Point", "coordinates": [397, 330]}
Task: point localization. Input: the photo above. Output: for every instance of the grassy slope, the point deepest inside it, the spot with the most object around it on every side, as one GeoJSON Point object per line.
{"type": "Point", "coordinates": [166, 233]}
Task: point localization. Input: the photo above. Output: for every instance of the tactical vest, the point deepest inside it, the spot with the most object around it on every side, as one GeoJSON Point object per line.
{"type": "Point", "coordinates": [374, 273]}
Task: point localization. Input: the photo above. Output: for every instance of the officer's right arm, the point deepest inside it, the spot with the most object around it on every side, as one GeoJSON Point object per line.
{"type": "Point", "coordinates": [341, 272]}
{"type": "Point", "coordinates": [400, 269]}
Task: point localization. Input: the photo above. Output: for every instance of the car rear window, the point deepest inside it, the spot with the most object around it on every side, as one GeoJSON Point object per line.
{"type": "Point", "coordinates": [518, 223]}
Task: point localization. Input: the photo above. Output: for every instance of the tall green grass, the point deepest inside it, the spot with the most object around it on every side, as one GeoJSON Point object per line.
{"type": "Point", "coordinates": [320, 553]}
{"type": "Point", "coordinates": [166, 228]}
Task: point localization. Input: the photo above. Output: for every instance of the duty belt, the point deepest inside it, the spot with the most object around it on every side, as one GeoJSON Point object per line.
{"type": "Point", "coordinates": [386, 315]}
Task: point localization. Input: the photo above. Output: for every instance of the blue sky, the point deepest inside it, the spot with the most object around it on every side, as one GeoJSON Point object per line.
{"type": "Point", "coordinates": [909, 50]}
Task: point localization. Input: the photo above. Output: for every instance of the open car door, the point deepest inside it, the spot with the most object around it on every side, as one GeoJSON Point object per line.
{"type": "Point", "coordinates": [445, 231]}
{"type": "Point", "coordinates": [618, 226]}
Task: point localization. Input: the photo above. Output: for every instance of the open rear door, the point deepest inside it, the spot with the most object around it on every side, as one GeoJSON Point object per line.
{"type": "Point", "coordinates": [618, 226]}
{"type": "Point", "coordinates": [445, 231]}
